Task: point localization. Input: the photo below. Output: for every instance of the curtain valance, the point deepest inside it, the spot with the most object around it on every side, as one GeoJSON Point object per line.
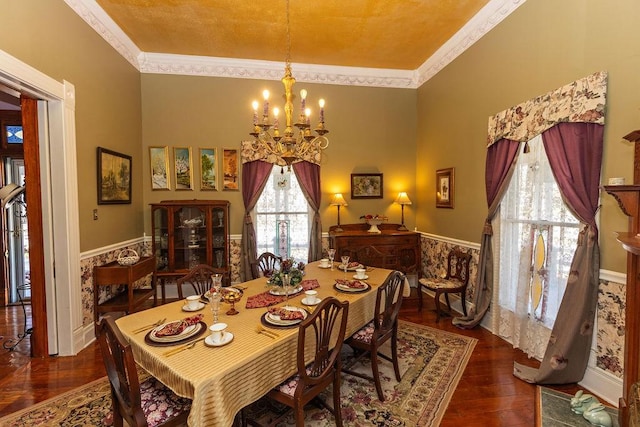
{"type": "Point", "coordinates": [249, 154]}
{"type": "Point", "coordinates": [581, 101]}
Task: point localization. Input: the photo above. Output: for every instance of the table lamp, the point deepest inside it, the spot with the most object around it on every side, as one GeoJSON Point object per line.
{"type": "Point", "coordinates": [402, 200]}
{"type": "Point", "coordinates": [338, 201]}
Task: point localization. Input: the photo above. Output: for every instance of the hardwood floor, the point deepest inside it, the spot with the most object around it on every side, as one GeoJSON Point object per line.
{"type": "Point", "coordinates": [488, 394]}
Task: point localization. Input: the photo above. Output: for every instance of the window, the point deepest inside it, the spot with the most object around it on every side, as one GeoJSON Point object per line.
{"type": "Point", "coordinates": [538, 238]}
{"type": "Point", "coordinates": [282, 217]}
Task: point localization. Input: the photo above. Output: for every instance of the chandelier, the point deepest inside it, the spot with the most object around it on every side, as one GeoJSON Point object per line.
{"type": "Point", "coordinates": [289, 145]}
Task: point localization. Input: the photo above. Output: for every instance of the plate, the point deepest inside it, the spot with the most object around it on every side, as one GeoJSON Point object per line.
{"type": "Point", "coordinates": [279, 291]}
{"type": "Point", "coordinates": [344, 288]}
{"type": "Point", "coordinates": [227, 338]}
{"type": "Point", "coordinates": [322, 266]}
{"type": "Point", "coordinates": [276, 320]}
{"type": "Point", "coordinates": [355, 276]}
{"type": "Point", "coordinates": [341, 267]}
{"type": "Point", "coordinates": [199, 307]}
{"type": "Point", "coordinates": [304, 301]}
{"type": "Point", "coordinates": [189, 333]}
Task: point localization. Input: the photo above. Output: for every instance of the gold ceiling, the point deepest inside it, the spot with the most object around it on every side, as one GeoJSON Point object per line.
{"type": "Point", "coordinates": [394, 34]}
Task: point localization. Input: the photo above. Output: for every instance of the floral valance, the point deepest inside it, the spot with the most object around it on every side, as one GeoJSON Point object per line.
{"type": "Point", "coordinates": [581, 101]}
{"type": "Point", "coordinates": [252, 150]}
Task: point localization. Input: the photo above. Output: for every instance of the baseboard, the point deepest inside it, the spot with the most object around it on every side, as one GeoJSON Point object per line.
{"type": "Point", "coordinates": [603, 384]}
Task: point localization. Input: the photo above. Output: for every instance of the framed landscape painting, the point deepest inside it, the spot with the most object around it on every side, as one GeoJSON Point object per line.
{"type": "Point", "coordinates": [230, 169]}
{"type": "Point", "coordinates": [208, 170]}
{"type": "Point", "coordinates": [366, 186]}
{"type": "Point", "coordinates": [114, 177]}
{"type": "Point", "coordinates": [184, 168]}
{"type": "Point", "coordinates": [159, 164]}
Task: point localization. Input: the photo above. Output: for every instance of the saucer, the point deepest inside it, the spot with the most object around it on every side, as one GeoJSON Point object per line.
{"type": "Point", "coordinates": [199, 307]}
{"type": "Point", "coordinates": [355, 276]}
{"type": "Point", "coordinates": [324, 266]}
{"type": "Point", "coordinates": [304, 301]}
{"type": "Point", "coordinates": [226, 339]}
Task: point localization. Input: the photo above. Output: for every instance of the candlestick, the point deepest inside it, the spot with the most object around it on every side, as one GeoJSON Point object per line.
{"type": "Point", "coordinates": [307, 112]}
{"type": "Point", "coordinates": [303, 99]}
{"type": "Point", "coordinates": [276, 111]}
{"type": "Point", "coordinates": [321, 102]}
{"type": "Point", "coordinates": [255, 112]}
{"type": "Point", "coordinates": [265, 94]}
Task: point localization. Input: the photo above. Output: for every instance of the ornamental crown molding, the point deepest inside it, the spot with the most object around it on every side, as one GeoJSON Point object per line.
{"type": "Point", "coordinates": [157, 63]}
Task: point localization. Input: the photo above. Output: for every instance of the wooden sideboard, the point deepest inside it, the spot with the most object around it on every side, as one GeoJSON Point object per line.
{"type": "Point", "coordinates": [391, 248]}
{"type": "Point", "coordinates": [628, 197]}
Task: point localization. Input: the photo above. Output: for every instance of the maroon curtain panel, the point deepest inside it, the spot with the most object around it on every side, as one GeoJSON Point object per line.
{"type": "Point", "coordinates": [254, 177]}
{"type": "Point", "coordinates": [500, 162]}
{"type": "Point", "coordinates": [308, 175]}
{"type": "Point", "coordinates": [575, 155]}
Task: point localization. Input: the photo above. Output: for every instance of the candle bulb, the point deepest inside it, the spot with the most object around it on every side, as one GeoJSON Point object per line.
{"type": "Point", "coordinates": [255, 112]}
{"type": "Point", "coordinates": [265, 94]}
{"type": "Point", "coordinates": [303, 99]}
{"type": "Point", "coordinates": [321, 102]}
{"type": "Point", "coordinates": [307, 112]}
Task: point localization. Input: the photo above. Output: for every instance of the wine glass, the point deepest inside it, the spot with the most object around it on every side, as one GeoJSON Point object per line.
{"type": "Point", "coordinates": [285, 284]}
{"type": "Point", "coordinates": [214, 300]}
{"type": "Point", "coordinates": [345, 264]}
{"type": "Point", "coordinates": [216, 280]}
{"type": "Point", "coordinates": [332, 254]}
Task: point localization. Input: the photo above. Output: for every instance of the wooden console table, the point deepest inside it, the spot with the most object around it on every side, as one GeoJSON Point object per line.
{"type": "Point", "coordinates": [116, 274]}
{"type": "Point", "coordinates": [391, 248]}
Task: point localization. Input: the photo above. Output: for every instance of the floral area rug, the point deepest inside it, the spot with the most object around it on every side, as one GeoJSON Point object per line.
{"type": "Point", "coordinates": [431, 364]}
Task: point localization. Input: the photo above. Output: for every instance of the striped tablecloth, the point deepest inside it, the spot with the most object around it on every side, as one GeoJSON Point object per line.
{"type": "Point", "coordinates": [223, 380]}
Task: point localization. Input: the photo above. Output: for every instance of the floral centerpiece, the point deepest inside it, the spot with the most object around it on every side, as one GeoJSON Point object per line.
{"type": "Point", "coordinates": [295, 271]}
{"type": "Point", "coordinates": [374, 221]}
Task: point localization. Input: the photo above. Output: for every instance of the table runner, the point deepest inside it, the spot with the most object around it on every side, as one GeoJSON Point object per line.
{"type": "Point", "coordinates": [265, 299]}
{"type": "Point", "coordinates": [223, 380]}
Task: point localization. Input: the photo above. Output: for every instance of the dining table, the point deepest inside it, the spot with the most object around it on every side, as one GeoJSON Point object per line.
{"type": "Point", "coordinates": [222, 379]}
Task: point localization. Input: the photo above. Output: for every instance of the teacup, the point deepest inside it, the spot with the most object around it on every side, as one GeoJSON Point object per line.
{"type": "Point", "coordinates": [360, 273]}
{"type": "Point", "coordinates": [311, 296]}
{"type": "Point", "coordinates": [193, 301]}
{"type": "Point", "coordinates": [324, 262]}
{"type": "Point", "coordinates": [217, 332]}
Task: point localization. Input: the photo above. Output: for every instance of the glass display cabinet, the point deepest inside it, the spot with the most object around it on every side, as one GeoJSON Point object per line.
{"type": "Point", "coordinates": [186, 233]}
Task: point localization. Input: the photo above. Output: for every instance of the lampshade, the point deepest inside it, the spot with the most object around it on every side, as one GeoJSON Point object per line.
{"type": "Point", "coordinates": [8, 193]}
{"type": "Point", "coordinates": [338, 200]}
{"type": "Point", "coordinates": [403, 199]}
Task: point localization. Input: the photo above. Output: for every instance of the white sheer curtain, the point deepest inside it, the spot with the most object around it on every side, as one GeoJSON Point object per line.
{"type": "Point", "coordinates": [537, 237]}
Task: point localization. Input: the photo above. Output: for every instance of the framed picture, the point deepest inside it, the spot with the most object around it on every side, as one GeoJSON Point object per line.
{"type": "Point", "coordinates": [208, 169]}
{"type": "Point", "coordinates": [114, 177]}
{"type": "Point", "coordinates": [366, 186]}
{"type": "Point", "coordinates": [159, 162]}
{"type": "Point", "coordinates": [184, 168]}
{"type": "Point", "coordinates": [445, 187]}
{"type": "Point", "coordinates": [230, 170]}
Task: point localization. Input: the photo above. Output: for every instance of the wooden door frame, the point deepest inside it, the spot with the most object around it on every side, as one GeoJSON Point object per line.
{"type": "Point", "coordinates": [39, 345]}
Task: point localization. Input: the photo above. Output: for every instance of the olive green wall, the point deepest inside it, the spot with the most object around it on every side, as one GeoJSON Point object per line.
{"type": "Point", "coordinates": [543, 45]}
{"type": "Point", "coordinates": [49, 36]}
{"type": "Point", "coordinates": [371, 130]}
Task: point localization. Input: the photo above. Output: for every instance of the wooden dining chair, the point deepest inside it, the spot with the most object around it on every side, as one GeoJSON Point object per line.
{"type": "Point", "coordinates": [266, 264]}
{"type": "Point", "coordinates": [382, 328]}
{"type": "Point", "coordinates": [199, 278]}
{"type": "Point", "coordinates": [327, 324]}
{"type": "Point", "coordinates": [455, 280]}
{"type": "Point", "coordinates": [149, 403]}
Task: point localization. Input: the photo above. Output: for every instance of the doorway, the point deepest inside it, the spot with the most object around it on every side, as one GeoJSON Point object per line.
{"type": "Point", "coordinates": [56, 298]}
